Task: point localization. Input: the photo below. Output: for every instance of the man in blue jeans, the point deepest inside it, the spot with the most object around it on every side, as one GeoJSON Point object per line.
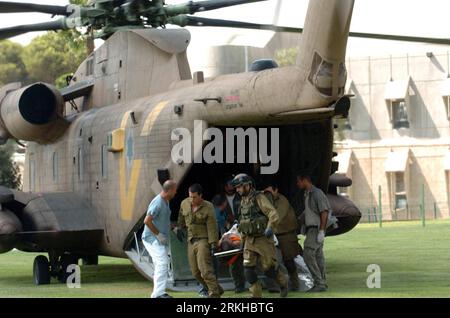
{"type": "Point", "coordinates": [156, 237]}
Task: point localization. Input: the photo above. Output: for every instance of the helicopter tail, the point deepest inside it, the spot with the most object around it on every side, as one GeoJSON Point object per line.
{"type": "Point", "coordinates": [323, 45]}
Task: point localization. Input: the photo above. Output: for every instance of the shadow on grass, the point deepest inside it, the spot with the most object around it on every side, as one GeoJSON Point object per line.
{"type": "Point", "coordinates": [110, 274]}
{"type": "Point", "coordinates": [89, 275]}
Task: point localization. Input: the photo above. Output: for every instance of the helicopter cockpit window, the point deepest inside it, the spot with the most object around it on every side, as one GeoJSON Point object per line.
{"type": "Point", "coordinates": [321, 75]}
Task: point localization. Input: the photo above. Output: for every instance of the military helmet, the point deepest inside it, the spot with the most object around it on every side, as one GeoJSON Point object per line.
{"type": "Point", "coordinates": [241, 179]}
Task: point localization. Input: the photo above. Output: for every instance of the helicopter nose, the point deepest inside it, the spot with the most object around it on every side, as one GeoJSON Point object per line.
{"type": "Point", "coordinates": [9, 227]}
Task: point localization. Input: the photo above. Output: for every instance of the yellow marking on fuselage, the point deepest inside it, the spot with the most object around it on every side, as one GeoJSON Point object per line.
{"type": "Point", "coordinates": [128, 194]}
{"type": "Point", "coordinates": [151, 118]}
{"type": "Point", "coordinates": [123, 123]}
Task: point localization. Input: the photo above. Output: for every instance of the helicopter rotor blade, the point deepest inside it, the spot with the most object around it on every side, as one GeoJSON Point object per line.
{"type": "Point", "coordinates": [208, 5]}
{"type": "Point", "coordinates": [393, 37]}
{"type": "Point", "coordinates": [198, 21]}
{"type": "Point", "coordinates": [14, 7]}
{"type": "Point", "coordinates": [20, 29]}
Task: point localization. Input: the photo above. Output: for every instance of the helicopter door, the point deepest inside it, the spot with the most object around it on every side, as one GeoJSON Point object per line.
{"type": "Point", "coordinates": [82, 178]}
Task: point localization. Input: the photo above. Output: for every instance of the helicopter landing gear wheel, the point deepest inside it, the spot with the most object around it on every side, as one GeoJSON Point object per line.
{"type": "Point", "coordinates": [41, 270]}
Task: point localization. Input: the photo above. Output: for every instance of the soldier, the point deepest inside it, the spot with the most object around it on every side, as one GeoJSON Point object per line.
{"type": "Point", "coordinates": [257, 219]}
{"type": "Point", "coordinates": [316, 219]}
{"type": "Point", "coordinates": [286, 233]}
{"type": "Point", "coordinates": [198, 216]}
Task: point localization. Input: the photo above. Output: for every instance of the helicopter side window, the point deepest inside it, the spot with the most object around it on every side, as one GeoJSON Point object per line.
{"type": "Point", "coordinates": [321, 76]}
{"type": "Point", "coordinates": [80, 164]}
{"type": "Point", "coordinates": [32, 178]}
{"type": "Point", "coordinates": [342, 78]}
{"type": "Point", "coordinates": [89, 67]}
{"type": "Point", "coordinates": [55, 166]}
{"type": "Point", "coordinates": [104, 162]}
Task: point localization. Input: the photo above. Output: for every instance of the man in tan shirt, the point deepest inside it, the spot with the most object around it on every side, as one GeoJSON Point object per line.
{"type": "Point", "coordinates": [286, 233]}
{"type": "Point", "coordinates": [198, 216]}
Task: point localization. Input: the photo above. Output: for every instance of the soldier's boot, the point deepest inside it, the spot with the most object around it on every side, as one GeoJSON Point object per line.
{"type": "Point", "coordinates": [294, 281]}
{"type": "Point", "coordinates": [256, 290]}
{"type": "Point", "coordinates": [283, 282]}
{"type": "Point", "coordinates": [275, 273]}
{"type": "Point", "coordinates": [216, 292]}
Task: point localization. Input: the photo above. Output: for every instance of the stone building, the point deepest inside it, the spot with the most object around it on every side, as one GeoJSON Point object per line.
{"type": "Point", "coordinates": [397, 137]}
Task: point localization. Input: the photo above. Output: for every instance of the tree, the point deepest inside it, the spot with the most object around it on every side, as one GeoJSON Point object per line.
{"type": "Point", "coordinates": [286, 57]}
{"type": "Point", "coordinates": [9, 171]}
{"type": "Point", "coordinates": [12, 68]}
{"type": "Point", "coordinates": [49, 56]}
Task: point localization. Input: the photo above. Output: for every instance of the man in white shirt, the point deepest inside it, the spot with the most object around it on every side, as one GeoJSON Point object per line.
{"type": "Point", "coordinates": [156, 237]}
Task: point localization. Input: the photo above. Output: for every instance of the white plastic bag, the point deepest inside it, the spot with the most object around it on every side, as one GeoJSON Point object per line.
{"type": "Point", "coordinates": [306, 279]}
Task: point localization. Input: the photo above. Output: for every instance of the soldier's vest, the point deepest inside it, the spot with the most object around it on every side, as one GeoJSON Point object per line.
{"type": "Point", "coordinates": [252, 221]}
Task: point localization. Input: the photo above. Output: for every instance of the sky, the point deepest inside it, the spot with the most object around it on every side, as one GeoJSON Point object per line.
{"type": "Point", "coordinates": [429, 18]}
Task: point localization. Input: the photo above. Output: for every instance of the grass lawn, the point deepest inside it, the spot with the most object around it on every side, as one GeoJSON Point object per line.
{"type": "Point", "coordinates": [414, 262]}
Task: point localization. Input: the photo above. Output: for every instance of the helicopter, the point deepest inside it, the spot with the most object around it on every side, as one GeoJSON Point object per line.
{"type": "Point", "coordinates": [99, 149]}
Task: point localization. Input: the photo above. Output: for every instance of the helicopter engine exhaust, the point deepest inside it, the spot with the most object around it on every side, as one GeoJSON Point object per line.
{"type": "Point", "coordinates": [34, 113]}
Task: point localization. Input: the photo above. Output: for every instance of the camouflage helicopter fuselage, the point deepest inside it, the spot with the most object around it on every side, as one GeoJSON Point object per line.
{"type": "Point", "coordinates": [90, 175]}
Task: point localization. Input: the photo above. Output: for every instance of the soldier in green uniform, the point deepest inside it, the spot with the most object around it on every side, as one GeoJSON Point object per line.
{"type": "Point", "coordinates": [286, 233]}
{"type": "Point", "coordinates": [257, 219]}
{"type": "Point", "coordinates": [198, 216]}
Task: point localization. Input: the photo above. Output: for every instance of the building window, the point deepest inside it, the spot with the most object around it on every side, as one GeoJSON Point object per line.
{"type": "Point", "coordinates": [399, 114]}
{"type": "Point", "coordinates": [104, 162]}
{"type": "Point", "coordinates": [80, 164]}
{"type": "Point", "coordinates": [55, 166]}
{"type": "Point", "coordinates": [397, 98]}
{"type": "Point", "coordinates": [400, 191]}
